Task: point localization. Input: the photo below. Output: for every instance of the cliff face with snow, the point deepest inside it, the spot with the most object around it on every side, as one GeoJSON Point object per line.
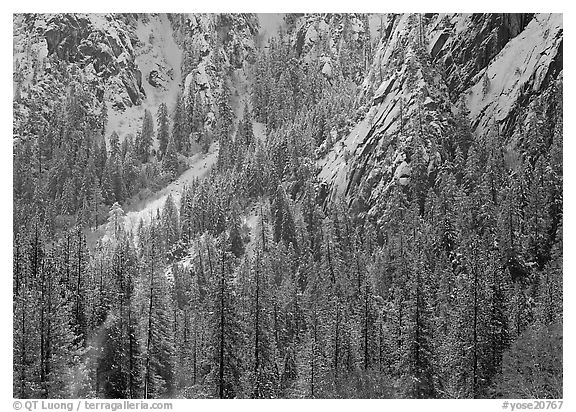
{"type": "Point", "coordinates": [311, 29]}
{"type": "Point", "coordinates": [97, 51]}
{"type": "Point", "coordinates": [426, 71]}
{"type": "Point", "coordinates": [126, 62]}
{"type": "Point", "coordinates": [318, 38]}
{"type": "Point", "coordinates": [214, 45]}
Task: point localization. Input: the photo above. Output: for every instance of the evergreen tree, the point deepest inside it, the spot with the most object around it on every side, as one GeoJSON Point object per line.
{"type": "Point", "coordinates": [180, 129]}
{"type": "Point", "coordinates": [284, 228]}
{"type": "Point", "coordinates": [163, 132]}
{"type": "Point", "coordinates": [146, 136]}
{"type": "Point", "coordinates": [197, 119]}
{"type": "Point", "coordinates": [264, 377]}
{"type": "Point", "coordinates": [170, 223]}
{"type": "Point", "coordinates": [226, 329]}
{"type": "Point", "coordinates": [158, 338]}
{"type": "Point", "coordinates": [533, 365]}
{"type": "Point", "coordinates": [170, 160]}
{"type": "Point", "coordinates": [114, 144]}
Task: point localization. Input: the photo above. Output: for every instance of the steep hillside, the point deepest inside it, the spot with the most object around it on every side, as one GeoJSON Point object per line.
{"type": "Point", "coordinates": [128, 62]}
{"type": "Point", "coordinates": [84, 83]}
{"type": "Point", "coordinates": [327, 38]}
{"type": "Point", "coordinates": [214, 46]}
{"type": "Point", "coordinates": [158, 59]}
{"type": "Point", "coordinates": [97, 51]}
{"type": "Point", "coordinates": [323, 206]}
{"type": "Point", "coordinates": [424, 68]}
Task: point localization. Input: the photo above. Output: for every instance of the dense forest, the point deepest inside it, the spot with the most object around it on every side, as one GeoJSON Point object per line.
{"type": "Point", "coordinates": [254, 282]}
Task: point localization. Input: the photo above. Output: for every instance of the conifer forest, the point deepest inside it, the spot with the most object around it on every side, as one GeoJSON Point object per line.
{"type": "Point", "coordinates": [287, 206]}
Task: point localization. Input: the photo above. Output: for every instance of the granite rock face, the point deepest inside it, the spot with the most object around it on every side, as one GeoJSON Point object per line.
{"type": "Point", "coordinates": [127, 62]}
{"type": "Point", "coordinates": [98, 40]}
{"type": "Point", "coordinates": [427, 71]}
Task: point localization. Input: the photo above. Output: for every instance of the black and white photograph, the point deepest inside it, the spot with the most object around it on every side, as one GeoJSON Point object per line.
{"type": "Point", "coordinates": [287, 206]}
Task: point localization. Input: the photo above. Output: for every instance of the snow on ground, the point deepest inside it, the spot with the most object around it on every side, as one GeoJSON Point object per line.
{"type": "Point", "coordinates": [159, 52]}
{"type": "Point", "coordinates": [251, 221]}
{"type": "Point", "coordinates": [259, 130]}
{"type": "Point", "coordinates": [269, 24]}
{"type": "Point", "coordinates": [200, 166]}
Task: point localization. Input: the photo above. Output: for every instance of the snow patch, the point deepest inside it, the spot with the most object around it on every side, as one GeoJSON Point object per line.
{"type": "Point", "coordinates": [200, 166]}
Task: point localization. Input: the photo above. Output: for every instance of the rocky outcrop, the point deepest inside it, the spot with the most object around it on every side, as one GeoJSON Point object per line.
{"type": "Point", "coordinates": [95, 50]}
{"type": "Point", "coordinates": [97, 40]}
{"type": "Point", "coordinates": [129, 62]}
{"type": "Point", "coordinates": [521, 72]}
{"type": "Point", "coordinates": [237, 32]}
{"type": "Point", "coordinates": [424, 68]}
{"type": "Point", "coordinates": [465, 44]}
{"type": "Point", "coordinates": [216, 44]}
{"type": "Point", "coordinates": [318, 38]}
{"type": "Point", "coordinates": [313, 30]}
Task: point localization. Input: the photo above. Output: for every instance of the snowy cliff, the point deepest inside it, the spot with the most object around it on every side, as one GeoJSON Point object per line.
{"type": "Point", "coordinates": [95, 50]}
{"type": "Point", "coordinates": [428, 70]}
{"type": "Point", "coordinates": [128, 63]}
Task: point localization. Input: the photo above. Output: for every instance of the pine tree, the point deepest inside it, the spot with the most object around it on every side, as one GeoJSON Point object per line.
{"type": "Point", "coordinates": [224, 130]}
{"type": "Point", "coordinates": [101, 155]}
{"type": "Point", "coordinates": [30, 258]}
{"type": "Point", "coordinates": [115, 222]}
{"type": "Point", "coordinates": [118, 370]}
{"type": "Point", "coordinates": [180, 130]}
{"type": "Point", "coordinates": [163, 132]}
{"type": "Point", "coordinates": [226, 330]}
{"type": "Point", "coordinates": [498, 339]}
{"type": "Point", "coordinates": [114, 144]}
{"type": "Point", "coordinates": [113, 186]}
{"type": "Point", "coordinates": [68, 197]}
{"type": "Point", "coordinates": [246, 125]}
{"type": "Point", "coordinates": [170, 160]}
{"type": "Point", "coordinates": [170, 223]}
{"type": "Point", "coordinates": [158, 350]}
{"type": "Point", "coordinates": [264, 381]}
{"type": "Point", "coordinates": [420, 357]}
{"type": "Point", "coordinates": [146, 136]}
{"type": "Point", "coordinates": [284, 228]}
{"type": "Point", "coordinates": [313, 365]}
{"type": "Point", "coordinates": [197, 119]}
{"type": "Point", "coordinates": [45, 344]}
{"type": "Point", "coordinates": [533, 365]}
{"type": "Point", "coordinates": [130, 171]}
